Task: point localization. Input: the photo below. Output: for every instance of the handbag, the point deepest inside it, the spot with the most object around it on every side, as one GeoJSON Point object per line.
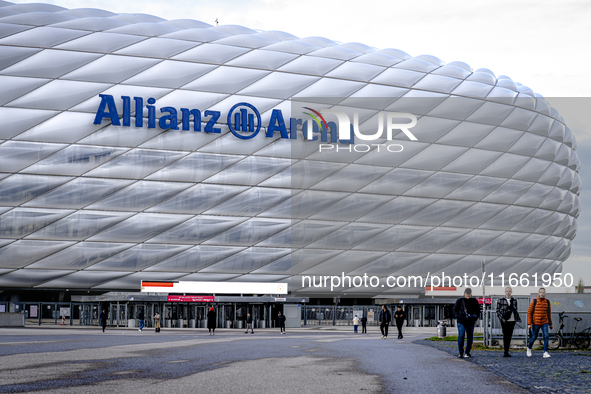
{"type": "Point", "coordinates": [507, 313]}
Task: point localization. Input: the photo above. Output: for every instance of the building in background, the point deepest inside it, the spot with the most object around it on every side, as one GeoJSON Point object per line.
{"type": "Point", "coordinates": [87, 205]}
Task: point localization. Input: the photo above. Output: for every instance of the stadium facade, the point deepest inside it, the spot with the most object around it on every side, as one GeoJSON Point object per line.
{"type": "Point", "coordinates": [95, 198]}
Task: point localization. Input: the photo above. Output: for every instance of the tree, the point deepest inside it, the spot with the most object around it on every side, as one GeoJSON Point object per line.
{"type": "Point", "coordinates": [580, 286]}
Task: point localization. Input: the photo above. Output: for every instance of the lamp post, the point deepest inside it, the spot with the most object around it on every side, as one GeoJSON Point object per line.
{"type": "Point", "coordinates": [483, 286]}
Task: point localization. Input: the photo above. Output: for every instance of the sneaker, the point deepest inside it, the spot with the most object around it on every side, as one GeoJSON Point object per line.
{"type": "Point", "coordinates": [528, 352]}
{"type": "Point", "coordinates": [467, 355]}
{"type": "Point", "coordinates": [382, 337]}
{"type": "Point", "coordinates": [546, 355]}
{"type": "Point", "coordinates": [461, 355]}
{"type": "Point", "coordinates": [252, 332]}
{"type": "Point", "coordinates": [246, 332]}
{"type": "Point", "coordinates": [139, 330]}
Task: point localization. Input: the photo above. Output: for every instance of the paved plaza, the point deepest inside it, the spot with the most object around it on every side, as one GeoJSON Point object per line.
{"type": "Point", "coordinates": [85, 360]}
{"type": "Point", "coordinates": [567, 371]}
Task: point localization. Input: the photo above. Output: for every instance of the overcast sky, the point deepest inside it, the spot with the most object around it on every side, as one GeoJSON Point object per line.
{"type": "Point", "coordinates": [541, 44]}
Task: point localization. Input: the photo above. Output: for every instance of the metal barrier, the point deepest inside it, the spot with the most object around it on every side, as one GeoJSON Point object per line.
{"type": "Point", "coordinates": [57, 313]}
{"type": "Point", "coordinates": [338, 315]}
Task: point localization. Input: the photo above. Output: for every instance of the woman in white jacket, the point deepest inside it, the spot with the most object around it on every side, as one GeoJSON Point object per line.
{"type": "Point", "coordinates": [355, 324]}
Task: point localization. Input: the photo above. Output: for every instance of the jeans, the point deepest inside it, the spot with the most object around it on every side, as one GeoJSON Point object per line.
{"type": "Point", "coordinates": [249, 326]}
{"type": "Point", "coordinates": [462, 330]}
{"type": "Point", "coordinates": [355, 329]}
{"type": "Point", "coordinates": [507, 334]}
{"type": "Point", "coordinates": [142, 325]}
{"type": "Point", "coordinates": [535, 330]}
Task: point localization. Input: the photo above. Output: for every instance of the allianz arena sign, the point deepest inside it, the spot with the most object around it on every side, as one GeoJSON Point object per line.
{"type": "Point", "coordinates": [240, 120]}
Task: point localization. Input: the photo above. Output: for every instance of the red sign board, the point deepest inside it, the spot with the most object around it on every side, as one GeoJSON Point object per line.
{"type": "Point", "coordinates": [179, 298]}
{"type": "Point", "coordinates": [486, 300]}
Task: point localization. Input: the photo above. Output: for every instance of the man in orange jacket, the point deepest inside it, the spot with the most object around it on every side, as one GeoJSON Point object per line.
{"type": "Point", "coordinates": [539, 315]}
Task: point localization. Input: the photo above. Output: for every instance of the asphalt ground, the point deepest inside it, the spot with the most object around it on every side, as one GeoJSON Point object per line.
{"type": "Point", "coordinates": [82, 360]}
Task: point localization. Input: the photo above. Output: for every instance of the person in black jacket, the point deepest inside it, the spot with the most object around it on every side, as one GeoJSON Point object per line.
{"type": "Point", "coordinates": [466, 310]}
{"type": "Point", "coordinates": [385, 318]}
{"type": "Point", "coordinates": [211, 321]}
{"type": "Point", "coordinates": [249, 324]}
{"type": "Point", "coordinates": [508, 315]}
{"type": "Point", "coordinates": [103, 319]}
{"type": "Point", "coordinates": [281, 322]}
{"type": "Point", "coordinates": [399, 316]}
{"type": "Point", "coordinates": [363, 324]}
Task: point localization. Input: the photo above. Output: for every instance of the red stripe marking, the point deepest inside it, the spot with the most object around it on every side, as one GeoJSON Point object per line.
{"type": "Point", "coordinates": [157, 284]}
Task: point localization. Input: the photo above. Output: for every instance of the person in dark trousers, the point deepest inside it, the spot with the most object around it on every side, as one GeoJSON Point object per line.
{"type": "Point", "coordinates": [539, 315]}
{"type": "Point", "coordinates": [281, 322]}
{"type": "Point", "coordinates": [103, 319]}
{"type": "Point", "coordinates": [508, 315]}
{"type": "Point", "coordinates": [363, 324]}
{"type": "Point", "coordinates": [385, 318]}
{"type": "Point", "coordinates": [466, 310]}
{"type": "Point", "coordinates": [140, 317]}
{"type": "Point", "coordinates": [249, 324]}
{"type": "Point", "coordinates": [211, 321]}
{"type": "Point", "coordinates": [399, 316]}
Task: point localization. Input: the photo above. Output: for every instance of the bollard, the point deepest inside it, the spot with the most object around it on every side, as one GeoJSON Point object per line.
{"type": "Point", "coordinates": [441, 329]}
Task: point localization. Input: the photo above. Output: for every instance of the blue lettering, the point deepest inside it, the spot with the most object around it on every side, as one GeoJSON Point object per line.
{"type": "Point", "coordinates": [215, 115]}
{"type": "Point", "coordinates": [332, 126]}
{"type": "Point", "coordinates": [107, 102]}
{"type": "Point", "coordinates": [277, 117]}
{"type": "Point", "coordinates": [314, 130]}
{"type": "Point", "coordinates": [151, 114]}
{"type": "Point", "coordinates": [126, 110]}
{"type": "Point", "coordinates": [139, 111]}
{"type": "Point", "coordinates": [169, 121]}
{"type": "Point", "coordinates": [187, 119]}
{"type": "Point", "coordinates": [293, 127]}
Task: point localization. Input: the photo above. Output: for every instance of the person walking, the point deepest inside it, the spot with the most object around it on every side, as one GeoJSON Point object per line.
{"type": "Point", "coordinates": [140, 317]}
{"type": "Point", "coordinates": [539, 316]}
{"type": "Point", "coordinates": [399, 316]}
{"type": "Point", "coordinates": [249, 324]}
{"type": "Point", "coordinates": [281, 322]}
{"type": "Point", "coordinates": [385, 318]}
{"type": "Point", "coordinates": [211, 321]}
{"type": "Point", "coordinates": [157, 322]}
{"type": "Point", "coordinates": [355, 324]}
{"type": "Point", "coordinates": [103, 319]}
{"type": "Point", "coordinates": [508, 316]}
{"type": "Point", "coordinates": [363, 324]}
{"type": "Point", "coordinates": [466, 310]}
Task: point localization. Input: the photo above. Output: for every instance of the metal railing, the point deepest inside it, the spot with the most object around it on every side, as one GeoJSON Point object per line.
{"type": "Point", "coordinates": [493, 332]}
